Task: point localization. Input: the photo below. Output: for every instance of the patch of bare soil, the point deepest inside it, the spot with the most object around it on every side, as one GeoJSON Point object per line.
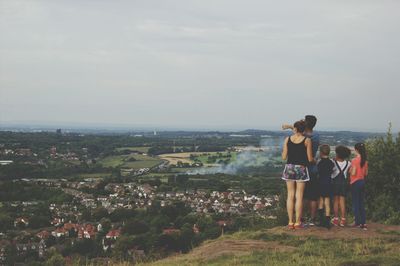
{"type": "Point", "coordinates": [216, 249]}
{"type": "Point", "coordinates": [374, 231]}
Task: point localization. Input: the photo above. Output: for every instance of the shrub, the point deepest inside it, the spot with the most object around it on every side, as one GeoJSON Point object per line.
{"type": "Point", "coordinates": [383, 181]}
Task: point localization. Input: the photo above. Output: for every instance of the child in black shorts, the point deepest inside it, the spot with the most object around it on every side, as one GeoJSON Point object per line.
{"type": "Point", "coordinates": [325, 169]}
{"type": "Point", "coordinates": [340, 184]}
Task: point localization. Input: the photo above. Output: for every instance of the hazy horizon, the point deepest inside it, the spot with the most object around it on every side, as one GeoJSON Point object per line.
{"type": "Point", "coordinates": [149, 127]}
{"type": "Point", "coordinates": [200, 64]}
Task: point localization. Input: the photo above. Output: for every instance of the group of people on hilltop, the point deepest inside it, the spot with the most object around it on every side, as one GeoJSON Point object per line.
{"type": "Point", "coordinates": [320, 181]}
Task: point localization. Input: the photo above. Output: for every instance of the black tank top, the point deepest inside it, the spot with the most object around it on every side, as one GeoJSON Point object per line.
{"type": "Point", "coordinates": [297, 153]}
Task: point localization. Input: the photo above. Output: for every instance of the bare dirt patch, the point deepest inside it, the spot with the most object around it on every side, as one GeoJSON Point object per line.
{"type": "Point", "coordinates": [216, 249]}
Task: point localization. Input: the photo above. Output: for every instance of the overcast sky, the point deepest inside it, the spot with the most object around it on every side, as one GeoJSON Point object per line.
{"type": "Point", "coordinates": [201, 64]}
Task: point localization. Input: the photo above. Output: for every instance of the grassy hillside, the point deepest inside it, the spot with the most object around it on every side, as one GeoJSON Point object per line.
{"type": "Point", "coordinates": [380, 245]}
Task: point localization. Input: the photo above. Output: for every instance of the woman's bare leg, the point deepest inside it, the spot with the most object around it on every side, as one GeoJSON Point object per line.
{"type": "Point", "coordinates": [291, 190]}
{"type": "Point", "coordinates": [299, 200]}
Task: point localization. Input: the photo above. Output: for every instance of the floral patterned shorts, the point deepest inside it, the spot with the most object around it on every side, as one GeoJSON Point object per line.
{"type": "Point", "coordinates": [294, 172]}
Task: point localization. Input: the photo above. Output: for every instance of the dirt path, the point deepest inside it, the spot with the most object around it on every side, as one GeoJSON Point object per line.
{"type": "Point", "coordinates": [234, 247]}
{"type": "Point", "coordinates": [374, 231]}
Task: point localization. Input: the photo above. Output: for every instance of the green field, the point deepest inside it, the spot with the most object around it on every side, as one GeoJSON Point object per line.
{"type": "Point", "coordinates": [181, 170]}
{"type": "Point", "coordinates": [93, 175]}
{"type": "Point", "coordinates": [157, 175]}
{"type": "Point", "coordinates": [137, 149]}
{"type": "Point", "coordinates": [204, 158]}
{"type": "Point", "coordinates": [122, 161]}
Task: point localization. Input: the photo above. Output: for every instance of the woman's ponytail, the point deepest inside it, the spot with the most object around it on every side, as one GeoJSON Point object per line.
{"type": "Point", "coordinates": [360, 147]}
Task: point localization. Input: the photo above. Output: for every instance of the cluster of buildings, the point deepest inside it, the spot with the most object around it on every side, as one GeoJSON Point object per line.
{"type": "Point", "coordinates": [53, 154]}
{"type": "Point", "coordinates": [132, 195]}
{"type": "Point", "coordinates": [69, 156]}
{"type": "Point", "coordinates": [128, 196]}
{"type": "Point", "coordinates": [134, 172]}
{"type": "Point", "coordinates": [17, 152]}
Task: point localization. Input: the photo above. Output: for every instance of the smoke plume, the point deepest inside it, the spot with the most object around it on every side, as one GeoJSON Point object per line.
{"type": "Point", "coordinates": [248, 157]}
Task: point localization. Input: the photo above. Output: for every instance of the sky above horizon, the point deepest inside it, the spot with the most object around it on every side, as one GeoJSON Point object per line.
{"type": "Point", "coordinates": [221, 64]}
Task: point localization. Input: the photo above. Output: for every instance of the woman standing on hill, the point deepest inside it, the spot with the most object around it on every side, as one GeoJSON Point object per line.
{"type": "Point", "coordinates": [297, 150]}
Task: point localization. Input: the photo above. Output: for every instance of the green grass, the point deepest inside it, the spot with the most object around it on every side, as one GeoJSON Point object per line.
{"type": "Point", "coordinates": [181, 170]}
{"type": "Point", "coordinates": [122, 161]}
{"type": "Point", "coordinates": [156, 175]}
{"type": "Point", "coordinates": [303, 251]}
{"type": "Point", "coordinates": [204, 158]}
{"type": "Point", "coordinates": [94, 175]}
{"type": "Point", "coordinates": [138, 149]}
{"type": "Point", "coordinates": [297, 258]}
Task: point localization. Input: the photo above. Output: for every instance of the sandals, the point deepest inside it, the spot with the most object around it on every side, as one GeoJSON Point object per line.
{"type": "Point", "coordinates": [342, 222]}
{"type": "Point", "coordinates": [335, 221]}
{"type": "Point", "coordinates": [299, 226]}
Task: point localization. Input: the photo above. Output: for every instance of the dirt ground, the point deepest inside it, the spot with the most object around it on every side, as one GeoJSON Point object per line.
{"type": "Point", "coordinates": [234, 247]}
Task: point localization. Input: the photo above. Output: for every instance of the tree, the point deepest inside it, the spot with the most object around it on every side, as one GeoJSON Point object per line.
{"type": "Point", "coordinates": [37, 221]}
{"type": "Point", "coordinates": [10, 255]}
{"type": "Point", "coordinates": [85, 247]}
{"type": "Point", "coordinates": [159, 222]}
{"type": "Point", "coordinates": [86, 215]}
{"type": "Point", "coordinates": [134, 227]}
{"type": "Point", "coordinates": [6, 222]}
{"type": "Point", "coordinates": [186, 237]}
{"type": "Point", "coordinates": [121, 246]}
{"type": "Point", "coordinates": [55, 260]}
{"type": "Point", "coordinates": [122, 214]}
{"type": "Point", "coordinates": [383, 181]}
{"type": "Point", "coordinates": [99, 213]}
{"type": "Point", "coordinates": [106, 224]}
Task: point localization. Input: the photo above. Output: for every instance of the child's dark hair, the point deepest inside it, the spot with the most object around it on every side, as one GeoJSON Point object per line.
{"type": "Point", "coordinates": [300, 126]}
{"type": "Point", "coordinates": [360, 147]}
{"type": "Point", "coordinates": [311, 121]}
{"type": "Point", "coordinates": [325, 149]}
{"type": "Point", "coordinates": [342, 152]}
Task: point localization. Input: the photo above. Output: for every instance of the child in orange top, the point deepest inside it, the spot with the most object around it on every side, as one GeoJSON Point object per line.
{"type": "Point", "coordinates": [358, 172]}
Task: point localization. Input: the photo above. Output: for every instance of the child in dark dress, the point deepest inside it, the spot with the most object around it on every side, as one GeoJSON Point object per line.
{"type": "Point", "coordinates": [325, 169]}
{"type": "Point", "coordinates": [340, 184]}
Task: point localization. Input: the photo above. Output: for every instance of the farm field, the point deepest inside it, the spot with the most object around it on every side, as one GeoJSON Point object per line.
{"type": "Point", "coordinates": [137, 149]}
{"type": "Point", "coordinates": [174, 158]}
{"type": "Point", "coordinates": [180, 170]}
{"type": "Point", "coordinates": [203, 157]}
{"type": "Point", "coordinates": [93, 175]}
{"type": "Point", "coordinates": [135, 161]}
